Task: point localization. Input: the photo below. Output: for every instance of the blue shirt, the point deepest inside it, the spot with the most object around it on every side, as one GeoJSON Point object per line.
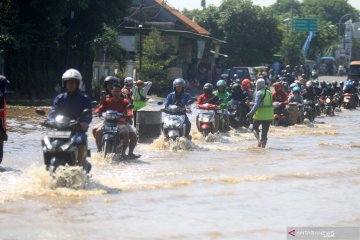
{"type": "Point", "coordinates": [171, 99]}
{"type": "Point", "coordinates": [71, 105]}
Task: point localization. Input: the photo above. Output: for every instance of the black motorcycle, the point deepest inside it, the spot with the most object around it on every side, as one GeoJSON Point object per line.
{"type": "Point", "coordinates": [237, 113]}
{"type": "Point", "coordinates": [59, 143]}
{"type": "Point", "coordinates": [309, 110]}
{"type": "Point", "coordinates": [112, 142]}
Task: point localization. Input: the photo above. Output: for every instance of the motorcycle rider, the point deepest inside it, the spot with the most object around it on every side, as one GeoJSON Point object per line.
{"type": "Point", "coordinates": [71, 104]}
{"type": "Point", "coordinates": [118, 103]}
{"type": "Point", "coordinates": [310, 95]}
{"type": "Point", "coordinates": [317, 88]}
{"type": "Point", "coordinates": [208, 97]}
{"type": "Point", "coordinates": [3, 135]}
{"type": "Point", "coordinates": [262, 112]}
{"type": "Point", "coordinates": [140, 91]}
{"type": "Point", "coordinates": [223, 95]}
{"type": "Point", "coordinates": [279, 96]}
{"type": "Point", "coordinates": [107, 86]}
{"type": "Point", "coordinates": [296, 97]}
{"type": "Point", "coordinates": [349, 88]}
{"type": "Point", "coordinates": [180, 98]}
{"type": "Point", "coordinates": [238, 95]}
{"type": "Point", "coordinates": [128, 88]}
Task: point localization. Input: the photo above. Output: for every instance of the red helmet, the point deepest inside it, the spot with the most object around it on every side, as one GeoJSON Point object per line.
{"type": "Point", "coordinates": [246, 83]}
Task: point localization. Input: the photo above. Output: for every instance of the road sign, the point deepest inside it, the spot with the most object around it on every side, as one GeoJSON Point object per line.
{"type": "Point", "coordinates": [304, 24]}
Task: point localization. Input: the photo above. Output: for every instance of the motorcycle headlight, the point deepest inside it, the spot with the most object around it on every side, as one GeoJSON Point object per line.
{"type": "Point", "coordinates": [328, 100]}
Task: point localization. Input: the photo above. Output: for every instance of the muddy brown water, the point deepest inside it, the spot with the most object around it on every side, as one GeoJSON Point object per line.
{"type": "Point", "coordinates": [219, 188]}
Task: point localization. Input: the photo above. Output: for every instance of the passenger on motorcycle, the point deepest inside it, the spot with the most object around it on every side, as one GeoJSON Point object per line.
{"type": "Point", "coordinates": [296, 97]}
{"type": "Point", "coordinates": [279, 95]}
{"type": "Point", "coordinates": [71, 104]}
{"type": "Point", "coordinates": [350, 88]}
{"type": "Point", "coordinates": [127, 90]}
{"type": "Point", "coordinates": [208, 97]}
{"type": "Point", "coordinates": [180, 98]}
{"type": "Point", "coordinates": [309, 93]}
{"type": "Point", "coordinates": [118, 103]}
{"type": "Point", "coordinates": [223, 95]}
{"type": "Point", "coordinates": [246, 86]}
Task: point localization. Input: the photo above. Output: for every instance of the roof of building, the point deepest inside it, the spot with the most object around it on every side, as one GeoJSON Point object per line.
{"type": "Point", "coordinates": [197, 28]}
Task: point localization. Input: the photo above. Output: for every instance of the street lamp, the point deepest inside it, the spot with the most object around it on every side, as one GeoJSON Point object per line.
{"type": "Point", "coordinates": [140, 50]}
{"type": "Point", "coordinates": [340, 26]}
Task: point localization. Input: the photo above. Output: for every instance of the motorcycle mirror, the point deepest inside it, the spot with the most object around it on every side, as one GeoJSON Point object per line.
{"type": "Point", "coordinates": [130, 106]}
{"type": "Point", "coordinates": [87, 111]}
{"type": "Point", "coordinates": [159, 103]}
{"type": "Point", "coordinates": [94, 104]}
{"type": "Point", "coordinates": [40, 111]}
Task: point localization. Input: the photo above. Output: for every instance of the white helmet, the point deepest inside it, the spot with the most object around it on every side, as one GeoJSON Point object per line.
{"type": "Point", "coordinates": [128, 81]}
{"type": "Point", "coordinates": [72, 74]}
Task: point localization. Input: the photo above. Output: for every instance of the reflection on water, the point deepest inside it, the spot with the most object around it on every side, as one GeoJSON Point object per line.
{"type": "Point", "coordinates": [223, 187]}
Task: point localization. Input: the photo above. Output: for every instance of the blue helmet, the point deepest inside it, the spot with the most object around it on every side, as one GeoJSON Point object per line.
{"type": "Point", "coordinates": [296, 89]}
{"type": "Point", "coordinates": [349, 84]}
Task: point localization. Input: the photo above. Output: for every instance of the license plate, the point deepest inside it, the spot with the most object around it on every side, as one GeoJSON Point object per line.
{"type": "Point", "coordinates": [111, 129]}
{"type": "Point", "coordinates": [58, 134]}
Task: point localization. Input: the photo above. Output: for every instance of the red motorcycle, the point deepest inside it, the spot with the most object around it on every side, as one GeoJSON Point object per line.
{"type": "Point", "coordinates": [206, 118]}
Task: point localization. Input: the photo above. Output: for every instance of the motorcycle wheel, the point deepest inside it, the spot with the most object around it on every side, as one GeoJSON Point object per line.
{"type": "Point", "coordinates": [205, 132]}
{"type": "Point", "coordinates": [107, 148]}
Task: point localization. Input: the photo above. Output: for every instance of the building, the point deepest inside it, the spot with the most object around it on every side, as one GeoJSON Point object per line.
{"type": "Point", "coordinates": [195, 50]}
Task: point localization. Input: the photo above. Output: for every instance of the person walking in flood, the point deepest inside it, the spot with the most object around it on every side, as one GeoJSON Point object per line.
{"type": "Point", "coordinates": [262, 112]}
{"type": "Point", "coordinates": [3, 134]}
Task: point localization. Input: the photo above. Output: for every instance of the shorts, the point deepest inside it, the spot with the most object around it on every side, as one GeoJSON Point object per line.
{"type": "Point", "coordinates": [126, 128]}
{"type": "Point", "coordinates": [80, 138]}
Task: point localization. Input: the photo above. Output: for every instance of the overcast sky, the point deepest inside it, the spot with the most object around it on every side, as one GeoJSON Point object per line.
{"type": "Point", "coordinates": [191, 4]}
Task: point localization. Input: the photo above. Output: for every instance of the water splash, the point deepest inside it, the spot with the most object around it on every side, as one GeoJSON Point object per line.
{"type": "Point", "coordinates": [180, 144]}
{"type": "Point", "coordinates": [70, 177]}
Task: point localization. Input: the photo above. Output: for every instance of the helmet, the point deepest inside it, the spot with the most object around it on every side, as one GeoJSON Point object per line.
{"type": "Point", "coordinates": [316, 83]}
{"type": "Point", "coordinates": [296, 89]}
{"type": "Point", "coordinates": [308, 84]}
{"type": "Point", "coordinates": [235, 87]}
{"type": "Point", "coordinates": [221, 83]}
{"type": "Point", "coordinates": [334, 83]}
{"type": "Point", "coordinates": [341, 83]}
{"type": "Point", "coordinates": [276, 85]}
{"type": "Point", "coordinates": [235, 75]}
{"type": "Point", "coordinates": [293, 85]}
{"type": "Point", "coordinates": [349, 84]}
{"type": "Point", "coordinates": [139, 83]}
{"type": "Point", "coordinates": [208, 88]}
{"type": "Point", "coordinates": [179, 82]}
{"type": "Point", "coordinates": [72, 74]}
{"type": "Point", "coordinates": [328, 85]}
{"type": "Point", "coordinates": [128, 81]}
{"type": "Point", "coordinates": [111, 79]}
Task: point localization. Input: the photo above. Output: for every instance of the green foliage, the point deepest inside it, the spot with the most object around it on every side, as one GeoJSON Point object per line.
{"type": "Point", "coordinates": [155, 61]}
{"type": "Point", "coordinates": [42, 38]}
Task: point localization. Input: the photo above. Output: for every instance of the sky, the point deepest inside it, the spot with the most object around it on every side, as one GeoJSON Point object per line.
{"type": "Point", "coordinates": [191, 4]}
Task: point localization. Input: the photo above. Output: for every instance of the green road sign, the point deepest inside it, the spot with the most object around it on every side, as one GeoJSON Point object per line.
{"type": "Point", "coordinates": [304, 24]}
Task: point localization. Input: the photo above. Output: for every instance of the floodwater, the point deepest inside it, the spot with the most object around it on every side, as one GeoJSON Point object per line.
{"type": "Point", "coordinates": [219, 188]}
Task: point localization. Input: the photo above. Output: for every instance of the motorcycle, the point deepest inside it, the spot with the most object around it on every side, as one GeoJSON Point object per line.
{"type": "Point", "coordinates": [112, 142]}
{"type": "Point", "coordinates": [59, 146]}
{"type": "Point", "coordinates": [206, 118]}
{"type": "Point", "coordinates": [281, 115]}
{"type": "Point", "coordinates": [174, 126]}
{"type": "Point", "coordinates": [309, 110]}
{"type": "Point", "coordinates": [349, 101]}
{"type": "Point", "coordinates": [328, 106]}
{"type": "Point", "coordinates": [237, 113]}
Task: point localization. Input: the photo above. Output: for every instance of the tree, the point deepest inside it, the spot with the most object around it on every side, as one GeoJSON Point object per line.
{"type": "Point", "coordinates": [46, 37]}
{"type": "Point", "coordinates": [245, 27]}
{"type": "Point", "coordinates": [155, 60]}
{"type": "Point", "coordinates": [203, 3]}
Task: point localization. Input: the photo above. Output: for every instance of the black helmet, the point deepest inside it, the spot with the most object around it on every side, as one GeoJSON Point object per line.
{"type": "Point", "coordinates": [111, 79]}
{"type": "Point", "coordinates": [235, 87]}
{"type": "Point", "coordinates": [208, 88]}
{"type": "Point", "coordinates": [341, 83]}
{"type": "Point", "coordinates": [334, 83]}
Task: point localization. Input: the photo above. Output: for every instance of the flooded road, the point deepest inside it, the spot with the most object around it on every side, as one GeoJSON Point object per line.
{"type": "Point", "coordinates": [221, 189]}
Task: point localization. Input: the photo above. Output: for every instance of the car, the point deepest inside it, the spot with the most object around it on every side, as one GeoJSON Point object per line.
{"type": "Point", "coordinates": [243, 73]}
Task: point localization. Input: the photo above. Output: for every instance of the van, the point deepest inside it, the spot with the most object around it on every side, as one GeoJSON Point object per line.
{"type": "Point", "coordinates": [354, 71]}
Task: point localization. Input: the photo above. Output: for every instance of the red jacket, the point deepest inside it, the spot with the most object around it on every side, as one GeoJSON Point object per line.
{"type": "Point", "coordinates": [119, 106]}
{"type": "Point", "coordinates": [279, 96]}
